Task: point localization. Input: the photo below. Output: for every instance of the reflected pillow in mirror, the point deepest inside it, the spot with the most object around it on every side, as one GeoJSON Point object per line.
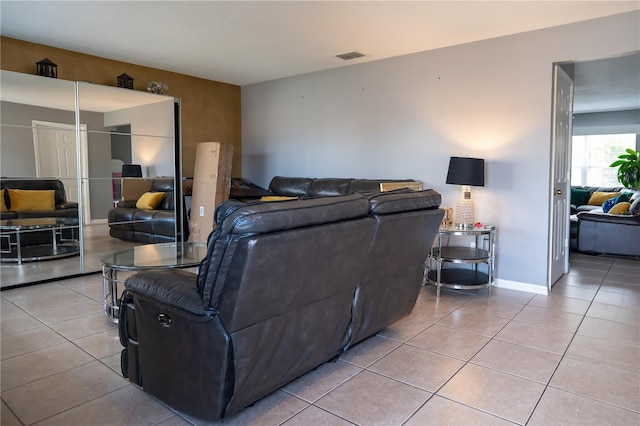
{"type": "Point", "coordinates": [149, 200]}
{"type": "Point", "coordinates": [30, 200]}
{"type": "Point", "coordinates": [3, 205]}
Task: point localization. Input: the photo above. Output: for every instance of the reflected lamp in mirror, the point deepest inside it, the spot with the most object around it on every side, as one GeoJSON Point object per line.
{"type": "Point", "coordinates": [467, 172]}
{"type": "Point", "coordinates": [125, 81]}
{"type": "Point", "coordinates": [131, 170]}
{"type": "Point", "coordinates": [46, 68]}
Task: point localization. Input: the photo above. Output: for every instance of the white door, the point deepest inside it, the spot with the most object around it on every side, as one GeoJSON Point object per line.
{"type": "Point", "coordinates": [56, 156]}
{"type": "Point", "coordinates": [560, 175]}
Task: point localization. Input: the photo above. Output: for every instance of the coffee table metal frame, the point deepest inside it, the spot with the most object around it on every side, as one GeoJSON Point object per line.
{"type": "Point", "coordinates": [15, 227]}
{"type": "Point", "coordinates": [146, 256]}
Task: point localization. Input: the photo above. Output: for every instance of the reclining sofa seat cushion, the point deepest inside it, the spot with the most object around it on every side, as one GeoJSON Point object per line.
{"type": "Point", "coordinates": [392, 275]}
{"type": "Point", "coordinates": [276, 286]}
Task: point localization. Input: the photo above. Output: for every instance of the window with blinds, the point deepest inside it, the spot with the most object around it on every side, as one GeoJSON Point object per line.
{"type": "Point", "coordinates": [592, 154]}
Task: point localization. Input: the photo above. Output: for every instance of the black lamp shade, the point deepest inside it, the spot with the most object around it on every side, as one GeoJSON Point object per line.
{"type": "Point", "coordinates": [466, 171]}
{"type": "Point", "coordinates": [131, 170]}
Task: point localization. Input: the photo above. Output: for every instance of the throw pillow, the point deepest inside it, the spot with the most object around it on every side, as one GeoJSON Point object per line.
{"type": "Point", "coordinates": [624, 196]}
{"type": "Point", "coordinates": [29, 200]}
{"type": "Point", "coordinates": [606, 206]}
{"type": "Point", "coordinates": [579, 196]}
{"type": "Point", "coordinates": [276, 198]}
{"type": "Point", "coordinates": [149, 200]}
{"type": "Point", "coordinates": [620, 208]}
{"type": "Point", "coordinates": [3, 205]}
{"type": "Point", "coordinates": [597, 198]}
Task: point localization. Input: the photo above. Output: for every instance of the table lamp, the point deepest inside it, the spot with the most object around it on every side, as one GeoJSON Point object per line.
{"type": "Point", "coordinates": [131, 170]}
{"type": "Point", "coordinates": [467, 172]}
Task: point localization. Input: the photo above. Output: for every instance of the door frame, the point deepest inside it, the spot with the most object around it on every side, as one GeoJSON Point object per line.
{"type": "Point", "coordinates": [83, 196]}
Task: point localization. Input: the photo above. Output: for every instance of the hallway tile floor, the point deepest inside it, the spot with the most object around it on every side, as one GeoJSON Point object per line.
{"type": "Point", "coordinates": [517, 358]}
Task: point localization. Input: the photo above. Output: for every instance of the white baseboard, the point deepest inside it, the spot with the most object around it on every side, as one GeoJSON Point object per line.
{"type": "Point", "coordinates": [520, 286]}
{"type": "Point", "coordinates": [99, 222]}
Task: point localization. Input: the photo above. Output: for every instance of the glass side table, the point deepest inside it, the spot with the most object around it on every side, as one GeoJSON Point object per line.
{"type": "Point", "coordinates": [445, 265]}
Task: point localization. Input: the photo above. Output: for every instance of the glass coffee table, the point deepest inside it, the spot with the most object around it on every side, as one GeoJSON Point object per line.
{"type": "Point", "coordinates": [148, 256]}
{"type": "Point", "coordinates": [11, 231]}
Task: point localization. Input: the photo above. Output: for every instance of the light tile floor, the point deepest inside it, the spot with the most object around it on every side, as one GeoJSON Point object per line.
{"type": "Point", "coordinates": [516, 358]}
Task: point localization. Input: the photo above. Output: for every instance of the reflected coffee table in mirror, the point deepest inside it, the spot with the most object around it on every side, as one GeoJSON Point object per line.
{"type": "Point", "coordinates": [62, 236]}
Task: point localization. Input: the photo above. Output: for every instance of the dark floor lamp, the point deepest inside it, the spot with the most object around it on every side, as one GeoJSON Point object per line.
{"type": "Point", "coordinates": [467, 172]}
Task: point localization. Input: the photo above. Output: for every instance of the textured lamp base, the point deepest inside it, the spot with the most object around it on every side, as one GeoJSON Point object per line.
{"type": "Point", "coordinates": [465, 210]}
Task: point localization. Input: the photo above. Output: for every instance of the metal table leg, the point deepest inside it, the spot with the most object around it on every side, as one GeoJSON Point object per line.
{"type": "Point", "coordinates": [110, 292]}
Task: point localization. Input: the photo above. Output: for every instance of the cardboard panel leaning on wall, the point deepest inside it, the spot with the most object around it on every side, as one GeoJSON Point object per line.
{"type": "Point", "coordinates": [210, 109]}
{"type": "Point", "coordinates": [211, 186]}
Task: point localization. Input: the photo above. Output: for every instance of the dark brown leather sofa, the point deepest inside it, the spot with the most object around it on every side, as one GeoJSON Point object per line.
{"type": "Point", "coordinates": [285, 287]}
{"type": "Point", "coordinates": [147, 226]}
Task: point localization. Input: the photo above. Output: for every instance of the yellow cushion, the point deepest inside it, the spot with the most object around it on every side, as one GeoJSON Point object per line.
{"type": "Point", "coordinates": [620, 208]}
{"type": "Point", "coordinates": [149, 200]}
{"type": "Point", "coordinates": [28, 200]}
{"type": "Point", "coordinates": [597, 198]}
{"type": "Point", "coordinates": [3, 206]}
{"type": "Point", "coordinates": [277, 198]}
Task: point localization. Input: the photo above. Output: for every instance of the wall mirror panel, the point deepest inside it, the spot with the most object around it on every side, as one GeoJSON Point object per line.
{"type": "Point", "coordinates": [79, 135]}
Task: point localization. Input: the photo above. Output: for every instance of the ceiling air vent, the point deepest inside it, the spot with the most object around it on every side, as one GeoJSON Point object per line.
{"type": "Point", "coordinates": [349, 55]}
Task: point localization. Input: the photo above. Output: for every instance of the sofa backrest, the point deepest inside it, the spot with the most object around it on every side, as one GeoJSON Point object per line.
{"type": "Point", "coordinates": [60, 195]}
{"type": "Point", "coordinates": [281, 277]}
{"type": "Point", "coordinates": [392, 275]}
{"type": "Point", "coordinates": [324, 187]}
{"type": "Point", "coordinates": [165, 185]}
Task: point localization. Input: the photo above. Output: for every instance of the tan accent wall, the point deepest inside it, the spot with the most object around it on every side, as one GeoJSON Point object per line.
{"type": "Point", "coordinates": [210, 109]}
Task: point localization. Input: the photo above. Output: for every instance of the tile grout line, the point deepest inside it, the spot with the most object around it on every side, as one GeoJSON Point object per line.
{"type": "Point", "coordinates": [575, 333]}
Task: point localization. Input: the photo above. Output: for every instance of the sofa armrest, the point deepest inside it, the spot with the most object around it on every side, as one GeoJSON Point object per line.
{"type": "Point", "coordinates": [609, 218]}
{"type": "Point", "coordinates": [67, 205]}
{"type": "Point", "coordinates": [173, 287]}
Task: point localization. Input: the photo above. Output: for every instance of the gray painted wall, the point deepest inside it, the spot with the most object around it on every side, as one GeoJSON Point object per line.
{"type": "Point", "coordinates": [404, 117]}
{"type": "Point", "coordinates": [593, 123]}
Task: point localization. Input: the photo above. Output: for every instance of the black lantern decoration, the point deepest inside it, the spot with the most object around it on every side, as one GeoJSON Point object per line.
{"type": "Point", "coordinates": [46, 68]}
{"type": "Point", "coordinates": [125, 81]}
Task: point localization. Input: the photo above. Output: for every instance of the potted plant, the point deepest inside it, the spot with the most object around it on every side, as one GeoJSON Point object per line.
{"type": "Point", "coordinates": [628, 168]}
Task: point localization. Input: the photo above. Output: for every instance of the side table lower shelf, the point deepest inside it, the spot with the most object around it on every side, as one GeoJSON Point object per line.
{"type": "Point", "coordinates": [459, 279]}
{"type": "Point", "coordinates": [460, 265]}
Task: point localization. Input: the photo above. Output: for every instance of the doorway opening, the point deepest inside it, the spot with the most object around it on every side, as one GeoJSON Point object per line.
{"type": "Point", "coordinates": [57, 156]}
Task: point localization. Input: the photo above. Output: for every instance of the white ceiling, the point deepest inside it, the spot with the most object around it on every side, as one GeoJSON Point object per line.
{"type": "Point", "coordinates": [610, 84]}
{"type": "Point", "coordinates": [245, 42]}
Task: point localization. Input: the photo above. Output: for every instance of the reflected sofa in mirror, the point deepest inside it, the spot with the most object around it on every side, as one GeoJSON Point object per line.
{"type": "Point", "coordinates": [37, 111]}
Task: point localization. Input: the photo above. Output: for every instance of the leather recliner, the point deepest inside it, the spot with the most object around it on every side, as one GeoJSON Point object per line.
{"type": "Point", "coordinates": [285, 287]}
